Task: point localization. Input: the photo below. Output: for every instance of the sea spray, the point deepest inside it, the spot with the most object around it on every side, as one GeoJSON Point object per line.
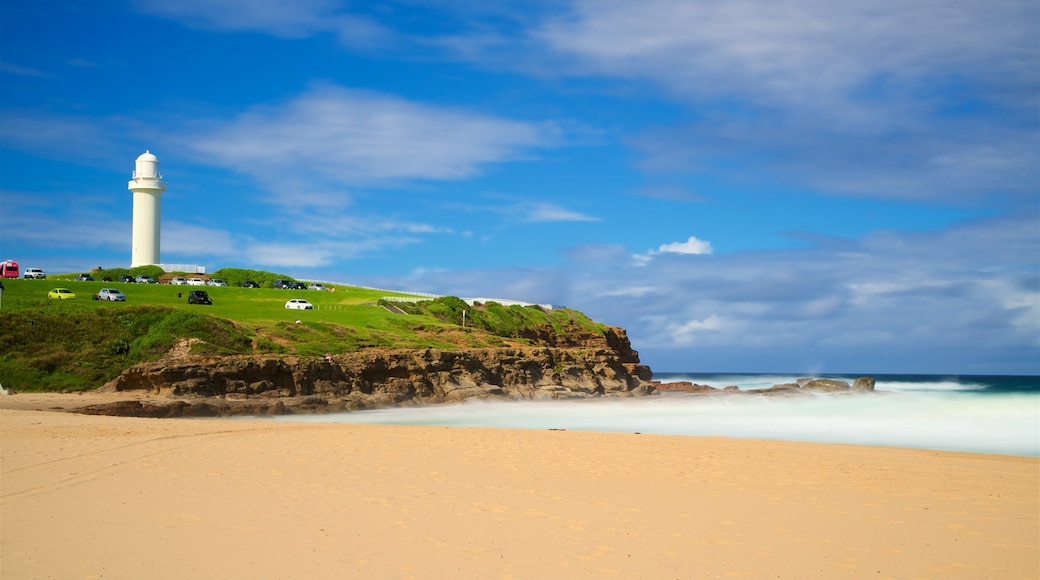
{"type": "Point", "coordinates": [980, 414]}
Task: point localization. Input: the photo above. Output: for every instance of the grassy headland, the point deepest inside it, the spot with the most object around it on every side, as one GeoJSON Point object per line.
{"type": "Point", "coordinates": [53, 345]}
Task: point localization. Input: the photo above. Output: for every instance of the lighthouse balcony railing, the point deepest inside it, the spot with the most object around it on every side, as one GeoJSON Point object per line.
{"type": "Point", "coordinates": [155, 176]}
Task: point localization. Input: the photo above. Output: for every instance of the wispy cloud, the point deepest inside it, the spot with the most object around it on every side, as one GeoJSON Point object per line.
{"type": "Point", "coordinates": [347, 137]}
{"type": "Point", "coordinates": [803, 54]}
{"type": "Point", "coordinates": [198, 242]}
{"type": "Point", "coordinates": [298, 19]}
{"type": "Point", "coordinates": [60, 136]}
{"type": "Point", "coordinates": [928, 100]}
{"type": "Point", "coordinates": [11, 68]}
{"type": "Point", "coordinates": [68, 223]}
{"type": "Point", "coordinates": [550, 212]}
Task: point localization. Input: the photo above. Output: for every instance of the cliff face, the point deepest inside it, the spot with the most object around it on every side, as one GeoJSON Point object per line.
{"type": "Point", "coordinates": [583, 366]}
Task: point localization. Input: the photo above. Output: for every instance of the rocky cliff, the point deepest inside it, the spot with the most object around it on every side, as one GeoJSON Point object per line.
{"type": "Point", "coordinates": [576, 366]}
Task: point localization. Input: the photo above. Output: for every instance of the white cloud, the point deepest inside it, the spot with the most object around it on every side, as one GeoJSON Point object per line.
{"type": "Point", "coordinates": [332, 135]}
{"type": "Point", "coordinates": [629, 292]}
{"type": "Point", "coordinates": [548, 212]}
{"type": "Point", "coordinates": [692, 246]}
{"type": "Point", "coordinates": [688, 333]}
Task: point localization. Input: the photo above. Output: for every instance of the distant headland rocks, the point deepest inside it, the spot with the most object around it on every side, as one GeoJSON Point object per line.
{"type": "Point", "coordinates": [804, 386]}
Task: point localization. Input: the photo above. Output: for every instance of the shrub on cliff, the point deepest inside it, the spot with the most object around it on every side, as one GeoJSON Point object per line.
{"type": "Point", "coordinates": [514, 321]}
{"type": "Point", "coordinates": [235, 276]}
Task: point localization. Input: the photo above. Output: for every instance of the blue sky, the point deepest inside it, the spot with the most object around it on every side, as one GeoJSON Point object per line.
{"type": "Point", "coordinates": [752, 185]}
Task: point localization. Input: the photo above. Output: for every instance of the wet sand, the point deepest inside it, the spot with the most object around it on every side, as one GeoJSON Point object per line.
{"type": "Point", "coordinates": [110, 497]}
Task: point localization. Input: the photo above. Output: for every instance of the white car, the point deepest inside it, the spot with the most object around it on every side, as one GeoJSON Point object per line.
{"type": "Point", "coordinates": [196, 282]}
{"type": "Point", "coordinates": [178, 281]}
{"type": "Point", "coordinates": [299, 304]}
{"type": "Point", "coordinates": [34, 274]}
{"type": "Point", "coordinates": [316, 287]}
{"type": "Point", "coordinates": [216, 282]}
{"type": "Point", "coordinates": [111, 294]}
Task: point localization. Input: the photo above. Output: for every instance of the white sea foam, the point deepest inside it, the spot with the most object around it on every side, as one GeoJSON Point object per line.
{"type": "Point", "coordinates": [956, 421]}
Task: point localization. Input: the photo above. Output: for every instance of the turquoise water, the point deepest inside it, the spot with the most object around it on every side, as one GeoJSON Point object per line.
{"type": "Point", "coordinates": [986, 414]}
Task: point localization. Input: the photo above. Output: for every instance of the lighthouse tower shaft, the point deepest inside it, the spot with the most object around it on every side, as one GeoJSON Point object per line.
{"type": "Point", "coordinates": [148, 187]}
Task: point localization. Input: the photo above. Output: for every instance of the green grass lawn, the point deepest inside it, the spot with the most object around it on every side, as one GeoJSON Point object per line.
{"type": "Point", "coordinates": [245, 305]}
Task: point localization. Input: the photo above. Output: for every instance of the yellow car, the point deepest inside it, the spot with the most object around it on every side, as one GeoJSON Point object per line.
{"type": "Point", "coordinates": [61, 294]}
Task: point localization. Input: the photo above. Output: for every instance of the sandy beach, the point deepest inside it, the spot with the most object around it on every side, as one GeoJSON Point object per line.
{"type": "Point", "coordinates": [106, 497]}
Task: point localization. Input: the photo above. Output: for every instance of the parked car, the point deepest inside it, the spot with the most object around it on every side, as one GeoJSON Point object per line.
{"type": "Point", "coordinates": [61, 294]}
{"type": "Point", "coordinates": [9, 269]}
{"type": "Point", "coordinates": [110, 294]}
{"type": "Point", "coordinates": [283, 284]}
{"type": "Point", "coordinates": [196, 282]}
{"type": "Point", "coordinates": [106, 279]}
{"type": "Point", "coordinates": [199, 297]}
{"type": "Point", "coordinates": [298, 286]}
{"type": "Point", "coordinates": [250, 284]}
{"type": "Point", "coordinates": [84, 278]}
{"type": "Point", "coordinates": [299, 304]}
{"type": "Point", "coordinates": [216, 282]}
{"type": "Point", "coordinates": [316, 287]}
{"type": "Point", "coordinates": [145, 280]}
{"type": "Point", "coordinates": [178, 281]}
{"type": "Point", "coordinates": [127, 279]}
{"type": "Point", "coordinates": [34, 274]}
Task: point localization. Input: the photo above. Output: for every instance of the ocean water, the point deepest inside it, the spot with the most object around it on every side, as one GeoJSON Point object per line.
{"type": "Point", "coordinates": [985, 414]}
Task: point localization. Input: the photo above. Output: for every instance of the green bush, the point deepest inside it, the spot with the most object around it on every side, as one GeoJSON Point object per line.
{"type": "Point", "coordinates": [235, 277]}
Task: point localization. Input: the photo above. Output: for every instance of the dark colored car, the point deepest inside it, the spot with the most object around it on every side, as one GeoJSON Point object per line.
{"type": "Point", "coordinates": [284, 284]}
{"type": "Point", "coordinates": [298, 286]}
{"type": "Point", "coordinates": [106, 279]}
{"type": "Point", "coordinates": [84, 278]}
{"type": "Point", "coordinates": [127, 279]}
{"type": "Point", "coordinates": [198, 297]}
{"type": "Point", "coordinates": [250, 284]}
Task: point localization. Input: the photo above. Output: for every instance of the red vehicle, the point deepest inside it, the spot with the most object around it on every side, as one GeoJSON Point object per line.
{"type": "Point", "coordinates": [9, 269]}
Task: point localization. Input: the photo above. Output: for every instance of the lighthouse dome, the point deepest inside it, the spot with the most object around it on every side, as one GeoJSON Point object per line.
{"type": "Point", "coordinates": [147, 166]}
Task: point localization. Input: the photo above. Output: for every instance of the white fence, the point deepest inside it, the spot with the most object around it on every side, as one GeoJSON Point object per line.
{"type": "Point", "coordinates": [186, 268]}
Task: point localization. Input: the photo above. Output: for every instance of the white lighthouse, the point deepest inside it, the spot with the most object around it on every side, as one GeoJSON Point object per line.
{"type": "Point", "coordinates": [148, 187]}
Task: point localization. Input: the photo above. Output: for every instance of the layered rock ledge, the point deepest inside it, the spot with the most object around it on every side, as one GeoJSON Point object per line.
{"type": "Point", "coordinates": [574, 366]}
{"type": "Point", "coordinates": [255, 385]}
